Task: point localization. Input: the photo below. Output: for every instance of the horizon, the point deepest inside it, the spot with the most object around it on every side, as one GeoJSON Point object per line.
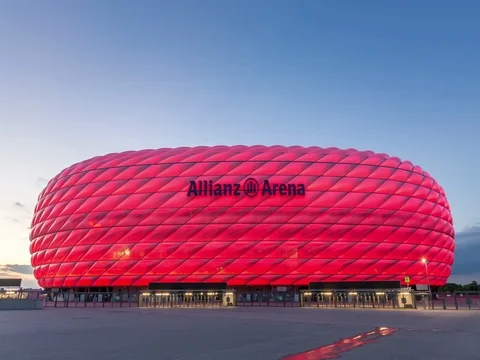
{"type": "Point", "coordinates": [88, 79]}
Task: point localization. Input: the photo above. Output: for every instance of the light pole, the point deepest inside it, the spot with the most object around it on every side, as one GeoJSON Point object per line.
{"type": "Point", "coordinates": [428, 278]}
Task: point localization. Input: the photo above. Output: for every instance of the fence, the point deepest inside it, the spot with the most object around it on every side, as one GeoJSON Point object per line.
{"type": "Point", "coordinates": [375, 300]}
{"type": "Point", "coordinates": [274, 299]}
{"type": "Point", "coordinates": [361, 299]}
{"type": "Point", "coordinates": [22, 294]}
{"type": "Point", "coordinates": [455, 301]}
{"type": "Point", "coordinates": [87, 299]}
{"type": "Point", "coordinates": [20, 299]}
{"type": "Point", "coordinates": [185, 299]}
{"type": "Point", "coordinates": [393, 300]}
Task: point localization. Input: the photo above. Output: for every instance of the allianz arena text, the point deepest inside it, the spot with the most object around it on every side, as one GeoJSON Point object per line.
{"type": "Point", "coordinates": [241, 215]}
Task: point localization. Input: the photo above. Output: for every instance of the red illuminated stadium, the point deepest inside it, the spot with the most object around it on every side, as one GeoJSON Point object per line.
{"type": "Point", "coordinates": [244, 215]}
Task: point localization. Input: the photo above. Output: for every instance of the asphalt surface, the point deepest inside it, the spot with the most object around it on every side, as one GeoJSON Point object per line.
{"type": "Point", "coordinates": [236, 333]}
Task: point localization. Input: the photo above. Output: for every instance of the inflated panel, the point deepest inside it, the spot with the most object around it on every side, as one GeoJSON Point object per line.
{"type": "Point", "coordinates": [247, 215]}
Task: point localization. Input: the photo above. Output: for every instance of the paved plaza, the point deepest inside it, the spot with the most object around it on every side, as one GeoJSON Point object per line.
{"type": "Point", "coordinates": [237, 333]}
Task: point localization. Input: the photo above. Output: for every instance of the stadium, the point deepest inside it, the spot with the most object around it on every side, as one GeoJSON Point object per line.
{"type": "Point", "coordinates": [264, 217]}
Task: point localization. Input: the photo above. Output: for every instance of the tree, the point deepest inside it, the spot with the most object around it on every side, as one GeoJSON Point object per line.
{"type": "Point", "coordinates": [473, 286]}
{"type": "Point", "coordinates": [452, 287]}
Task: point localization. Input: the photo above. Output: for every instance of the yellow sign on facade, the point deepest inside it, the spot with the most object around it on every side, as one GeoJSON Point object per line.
{"type": "Point", "coordinates": [407, 279]}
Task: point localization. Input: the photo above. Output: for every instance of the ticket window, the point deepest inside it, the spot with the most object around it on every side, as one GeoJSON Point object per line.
{"type": "Point", "coordinates": [342, 298]}
{"type": "Point", "coordinates": [163, 299]}
{"type": "Point", "coordinates": [381, 298]}
{"type": "Point", "coordinates": [197, 298]}
{"type": "Point", "coordinates": [149, 300]}
{"type": "Point", "coordinates": [212, 298]}
{"type": "Point", "coordinates": [177, 299]}
{"type": "Point", "coordinates": [405, 300]}
{"type": "Point", "coordinates": [188, 298]}
{"type": "Point", "coordinates": [143, 300]}
{"type": "Point", "coordinates": [307, 298]}
{"type": "Point", "coordinates": [326, 297]}
{"type": "Point", "coordinates": [229, 299]}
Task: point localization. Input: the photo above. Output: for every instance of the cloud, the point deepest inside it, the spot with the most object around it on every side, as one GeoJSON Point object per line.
{"type": "Point", "coordinates": [464, 279]}
{"type": "Point", "coordinates": [19, 213]}
{"type": "Point", "coordinates": [19, 205]}
{"type": "Point", "coordinates": [8, 270]}
{"type": "Point", "coordinates": [21, 208]}
{"type": "Point", "coordinates": [466, 258]}
{"type": "Point", "coordinates": [469, 234]}
{"type": "Point", "coordinates": [25, 272]}
{"type": "Point", "coordinates": [466, 267]}
{"type": "Point", "coordinates": [12, 219]}
{"type": "Point", "coordinates": [41, 182]}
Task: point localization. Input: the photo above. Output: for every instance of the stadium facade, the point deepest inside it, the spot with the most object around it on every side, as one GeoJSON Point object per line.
{"type": "Point", "coordinates": [264, 216]}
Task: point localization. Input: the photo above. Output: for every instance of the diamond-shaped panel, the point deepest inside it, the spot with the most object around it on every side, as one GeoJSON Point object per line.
{"type": "Point", "coordinates": [125, 219]}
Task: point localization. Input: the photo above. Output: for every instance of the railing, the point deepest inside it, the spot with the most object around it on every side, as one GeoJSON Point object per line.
{"type": "Point", "coordinates": [256, 299]}
{"type": "Point", "coordinates": [456, 301]}
{"type": "Point", "coordinates": [394, 300]}
{"type": "Point", "coordinates": [87, 299]}
{"type": "Point", "coordinates": [179, 302]}
{"type": "Point", "coordinates": [357, 299]}
{"type": "Point", "coordinates": [20, 294]}
{"type": "Point", "coordinates": [419, 300]}
{"type": "Point", "coordinates": [20, 299]}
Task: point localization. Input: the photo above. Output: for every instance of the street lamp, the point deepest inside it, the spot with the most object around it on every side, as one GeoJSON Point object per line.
{"type": "Point", "coordinates": [428, 278]}
{"type": "Point", "coordinates": [426, 270]}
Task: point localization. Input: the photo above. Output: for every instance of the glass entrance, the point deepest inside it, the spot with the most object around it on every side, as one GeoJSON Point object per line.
{"type": "Point", "coordinates": [354, 299]}
{"type": "Point", "coordinates": [187, 299]}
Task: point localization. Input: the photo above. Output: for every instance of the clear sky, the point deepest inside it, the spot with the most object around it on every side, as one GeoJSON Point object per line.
{"type": "Point", "coordinates": [82, 78]}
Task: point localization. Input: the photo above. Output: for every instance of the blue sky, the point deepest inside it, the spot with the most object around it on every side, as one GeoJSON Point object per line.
{"type": "Point", "coordinates": [82, 78]}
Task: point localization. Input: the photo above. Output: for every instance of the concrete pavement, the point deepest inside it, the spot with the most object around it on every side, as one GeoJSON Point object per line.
{"type": "Point", "coordinates": [233, 333]}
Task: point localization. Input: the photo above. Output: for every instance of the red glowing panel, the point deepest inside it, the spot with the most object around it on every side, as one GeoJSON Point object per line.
{"type": "Point", "coordinates": [248, 215]}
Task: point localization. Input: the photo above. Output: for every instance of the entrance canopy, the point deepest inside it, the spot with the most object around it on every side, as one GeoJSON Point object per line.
{"type": "Point", "coordinates": [187, 286]}
{"type": "Point", "coordinates": [356, 285]}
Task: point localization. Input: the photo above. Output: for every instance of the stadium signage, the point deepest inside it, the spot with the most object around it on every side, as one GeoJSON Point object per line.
{"type": "Point", "coordinates": [251, 188]}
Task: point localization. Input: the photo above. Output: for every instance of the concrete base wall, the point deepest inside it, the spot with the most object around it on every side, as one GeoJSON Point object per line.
{"type": "Point", "coordinates": [21, 304]}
